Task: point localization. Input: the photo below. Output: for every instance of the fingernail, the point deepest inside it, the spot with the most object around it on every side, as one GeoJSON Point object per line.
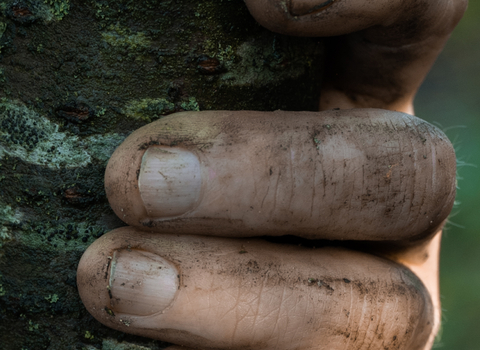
{"type": "Point", "coordinates": [169, 181]}
{"type": "Point", "coordinates": [141, 283]}
{"type": "Point", "coordinates": [307, 7]}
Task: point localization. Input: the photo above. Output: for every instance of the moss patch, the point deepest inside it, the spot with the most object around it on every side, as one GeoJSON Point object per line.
{"type": "Point", "coordinates": [149, 109]}
{"type": "Point", "coordinates": [58, 8]}
{"type": "Point", "coordinates": [30, 11]}
{"type": "Point", "coordinates": [35, 139]}
{"type": "Point", "coordinates": [267, 61]}
{"type": "Point", "coordinates": [190, 105]}
{"type": "Point", "coordinates": [111, 344]}
{"type": "Point", "coordinates": [8, 217]}
{"type": "Point", "coordinates": [124, 38]}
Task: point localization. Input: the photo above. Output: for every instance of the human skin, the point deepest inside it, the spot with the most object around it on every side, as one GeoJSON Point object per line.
{"type": "Point", "coordinates": [382, 180]}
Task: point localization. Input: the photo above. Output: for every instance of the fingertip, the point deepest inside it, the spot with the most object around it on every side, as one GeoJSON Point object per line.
{"type": "Point", "coordinates": [121, 184]}
{"type": "Point", "coordinates": [92, 274]}
{"type": "Point", "coordinates": [179, 136]}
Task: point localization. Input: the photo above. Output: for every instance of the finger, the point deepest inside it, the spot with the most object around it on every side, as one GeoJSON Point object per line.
{"type": "Point", "coordinates": [348, 175]}
{"type": "Point", "coordinates": [312, 18]}
{"type": "Point", "coordinates": [215, 293]}
{"type": "Point", "coordinates": [384, 62]}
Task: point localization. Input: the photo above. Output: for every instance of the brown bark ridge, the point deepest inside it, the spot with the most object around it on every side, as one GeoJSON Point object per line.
{"type": "Point", "coordinates": [76, 77]}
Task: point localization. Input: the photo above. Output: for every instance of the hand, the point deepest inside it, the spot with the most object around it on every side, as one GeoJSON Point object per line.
{"type": "Point", "coordinates": [383, 51]}
{"type": "Point", "coordinates": [195, 186]}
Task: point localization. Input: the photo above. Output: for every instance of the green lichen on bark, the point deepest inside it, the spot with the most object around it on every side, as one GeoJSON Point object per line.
{"type": "Point", "coordinates": [35, 139]}
{"type": "Point", "coordinates": [76, 78]}
{"type": "Point", "coordinates": [120, 38]}
{"type": "Point", "coordinates": [149, 109]}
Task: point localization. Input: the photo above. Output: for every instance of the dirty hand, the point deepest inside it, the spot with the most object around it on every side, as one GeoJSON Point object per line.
{"type": "Point", "coordinates": [371, 187]}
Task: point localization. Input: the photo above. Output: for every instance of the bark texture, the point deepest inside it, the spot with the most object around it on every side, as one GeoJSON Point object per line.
{"type": "Point", "coordinates": [76, 77]}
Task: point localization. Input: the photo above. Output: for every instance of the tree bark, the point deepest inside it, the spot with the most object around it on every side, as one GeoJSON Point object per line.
{"type": "Point", "coordinates": [76, 78]}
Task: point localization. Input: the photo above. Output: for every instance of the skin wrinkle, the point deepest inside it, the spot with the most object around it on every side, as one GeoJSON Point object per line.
{"type": "Point", "coordinates": [377, 317]}
{"type": "Point", "coordinates": [257, 310]}
{"type": "Point", "coordinates": [292, 175]}
{"type": "Point", "coordinates": [295, 312]}
{"type": "Point", "coordinates": [401, 201]}
{"type": "Point", "coordinates": [392, 323]}
{"type": "Point", "coordinates": [409, 304]}
{"type": "Point", "coordinates": [194, 312]}
{"type": "Point", "coordinates": [359, 154]}
{"type": "Point", "coordinates": [444, 206]}
{"type": "Point", "coordinates": [338, 187]}
{"type": "Point", "coordinates": [299, 317]}
{"type": "Point", "coordinates": [405, 174]}
{"type": "Point", "coordinates": [398, 149]}
{"type": "Point", "coordinates": [343, 169]}
{"type": "Point", "coordinates": [314, 180]}
{"type": "Point", "coordinates": [241, 316]}
{"type": "Point", "coordinates": [350, 314]}
{"type": "Point", "coordinates": [388, 204]}
{"type": "Point", "coordinates": [419, 211]}
{"type": "Point", "coordinates": [414, 177]}
{"type": "Point", "coordinates": [269, 316]}
{"type": "Point", "coordinates": [228, 311]}
{"type": "Point", "coordinates": [334, 189]}
{"type": "Point", "coordinates": [381, 323]}
{"type": "Point", "coordinates": [301, 198]}
{"type": "Point", "coordinates": [380, 312]}
{"type": "Point", "coordinates": [279, 317]}
{"type": "Point", "coordinates": [272, 213]}
{"type": "Point", "coordinates": [324, 176]}
{"type": "Point", "coordinates": [287, 333]}
{"type": "Point", "coordinates": [368, 316]}
{"type": "Point", "coordinates": [254, 182]}
{"type": "Point", "coordinates": [375, 145]}
{"type": "Point", "coordinates": [360, 332]}
{"type": "Point", "coordinates": [422, 210]}
{"type": "Point", "coordinates": [363, 204]}
{"type": "Point", "coordinates": [424, 306]}
{"type": "Point", "coordinates": [210, 307]}
{"type": "Point", "coordinates": [266, 194]}
{"type": "Point", "coordinates": [215, 193]}
{"type": "Point", "coordinates": [266, 162]}
{"type": "Point", "coordinates": [352, 199]}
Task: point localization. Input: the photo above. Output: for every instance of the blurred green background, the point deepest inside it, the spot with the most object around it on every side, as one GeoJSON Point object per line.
{"type": "Point", "coordinates": [450, 98]}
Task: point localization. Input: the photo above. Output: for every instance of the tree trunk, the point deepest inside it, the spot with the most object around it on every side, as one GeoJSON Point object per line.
{"type": "Point", "coordinates": [76, 78]}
